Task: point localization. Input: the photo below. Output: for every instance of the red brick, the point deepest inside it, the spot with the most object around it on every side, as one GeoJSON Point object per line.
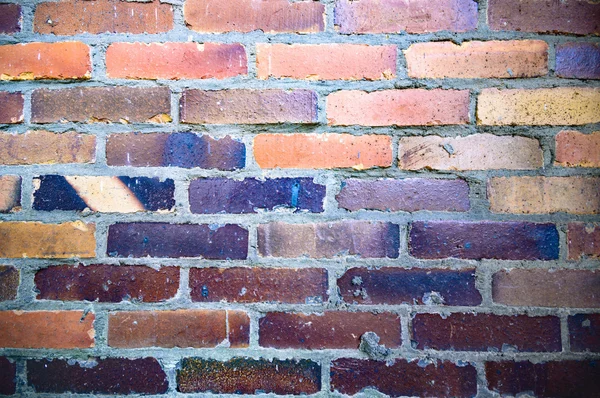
{"type": "Point", "coordinates": [575, 149]}
{"type": "Point", "coordinates": [9, 283]}
{"type": "Point", "coordinates": [406, 107]}
{"type": "Point", "coordinates": [583, 241]}
{"type": "Point", "coordinates": [332, 329]}
{"type": "Point", "coordinates": [10, 193]}
{"type": "Point", "coordinates": [11, 107]}
{"type": "Point", "coordinates": [584, 332]}
{"type": "Point", "coordinates": [238, 333]}
{"type": "Point", "coordinates": [175, 60]}
{"type": "Point", "coordinates": [8, 375]}
{"type": "Point", "coordinates": [10, 19]}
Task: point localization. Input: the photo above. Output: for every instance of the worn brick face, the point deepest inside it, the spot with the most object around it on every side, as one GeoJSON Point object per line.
{"type": "Point", "coordinates": [575, 149]}
{"type": "Point", "coordinates": [11, 107]}
{"type": "Point", "coordinates": [10, 18]}
{"type": "Point", "coordinates": [44, 147]}
{"type": "Point", "coordinates": [578, 60]}
{"type": "Point", "coordinates": [9, 283]}
{"type": "Point", "coordinates": [584, 332]}
{"type": "Point", "coordinates": [10, 193]}
{"type": "Point", "coordinates": [583, 240]}
{"type": "Point", "coordinates": [8, 375]}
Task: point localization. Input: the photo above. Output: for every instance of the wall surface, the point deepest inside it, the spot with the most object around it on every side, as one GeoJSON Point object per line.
{"type": "Point", "coordinates": [329, 197]}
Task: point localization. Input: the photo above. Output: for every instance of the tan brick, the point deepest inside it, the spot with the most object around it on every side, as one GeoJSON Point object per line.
{"type": "Point", "coordinates": [10, 193]}
{"type": "Point", "coordinates": [575, 149]}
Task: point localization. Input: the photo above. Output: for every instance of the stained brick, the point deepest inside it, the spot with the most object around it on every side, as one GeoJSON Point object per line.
{"type": "Point", "coordinates": [479, 240]}
{"type": "Point", "coordinates": [10, 193]}
{"type": "Point", "coordinates": [483, 332]}
{"type": "Point", "coordinates": [329, 240]}
{"type": "Point", "coordinates": [9, 283]}
{"type": "Point", "coordinates": [583, 240]}
{"type": "Point", "coordinates": [10, 19]}
{"type": "Point", "coordinates": [8, 374]}
{"type": "Point", "coordinates": [578, 60]}
{"type": "Point", "coordinates": [107, 283]}
{"type": "Point", "coordinates": [584, 332]}
{"type": "Point", "coordinates": [333, 329]}
{"type": "Point", "coordinates": [11, 107]}
{"type": "Point", "coordinates": [575, 149]}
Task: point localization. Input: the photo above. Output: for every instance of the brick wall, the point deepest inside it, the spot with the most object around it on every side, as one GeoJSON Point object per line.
{"type": "Point", "coordinates": [226, 195]}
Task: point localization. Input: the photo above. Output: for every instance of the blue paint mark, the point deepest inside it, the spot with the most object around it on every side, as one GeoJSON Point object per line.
{"type": "Point", "coordinates": [468, 245]}
{"type": "Point", "coordinates": [204, 291]}
{"type": "Point", "coordinates": [295, 192]}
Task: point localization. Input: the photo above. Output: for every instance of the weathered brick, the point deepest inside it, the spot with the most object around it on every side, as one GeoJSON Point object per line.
{"type": "Point", "coordinates": [9, 283]}
{"type": "Point", "coordinates": [10, 19]}
{"type": "Point", "coordinates": [175, 60]}
{"type": "Point", "coordinates": [11, 107]}
{"type": "Point", "coordinates": [216, 195]}
{"type": "Point", "coordinates": [322, 151]}
{"type": "Point", "coordinates": [46, 329]}
{"type": "Point", "coordinates": [543, 288]}
{"type": "Point", "coordinates": [187, 150]}
{"type": "Point", "coordinates": [540, 107]}
{"type": "Point", "coordinates": [578, 60]}
{"type": "Point", "coordinates": [584, 332]}
{"type": "Point", "coordinates": [576, 16]}
{"type": "Point", "coordinates": [329, 240]}
{"type": "Point", "coordinates": [402, 378]}
{"type": "Point", "coordinates": [102, 104]}
{"type": "Point", "coordinates": [411, 194]}
{"type": "Point", "coordinates": [107, 283]}
{"type": "Point", "coordinates": [177, 240]}
{"type": "Point", "coordinates": [478, 59]}
{"type": "Point", "coordinates": [409, 286]}
{"type": "Point", "coordinates": [238, 333]}
{"type": "Point", "coordinates": [168, 329]}
{"type": "Point", "coordinates": [274, 16]}
{"type": "Point", "coordinates": [38, 240]}
{"type": "Point", "coordinates": [583, 241]}
{"type": "Point", "coordinates": [546, 379]}
{"type": "Point", "coordinates": [248, 376]}
{"type": "Point", "coordinates": [332, 329]}
{"type": "Point", "coordinates": [484, 332]}
{"type": "Point", "coordinates": [326, 61]}
{"type": "Point", "coordinates": [72, 17]}
{"type": "Point", "coordinates": [253, 285]}
{"type": "Point", "coordinates": [415, 16]}
{"type": "Point", "coordinates": [10, 193]}
{"type": "Point", "coordinates": [28, 61]}
{"type": "Point", "coordinates": [44, 147]}
{"type": "Point", "coordinates": [8, 372]}
{"type": "Point", "coordinates": [242, 106]}
{"type": "Point", "coordinates": [406, 107]}
{"type": "Point", "coordinates": [103, 193]}
{"type": "Point", "coordinates": [486, 239]}
{"type": "Point", "coordinates": [97, 376]}
{"type": "Point", "coordinates": [575, 149]}
{"type": "Point", "coordinates": [576, 195]}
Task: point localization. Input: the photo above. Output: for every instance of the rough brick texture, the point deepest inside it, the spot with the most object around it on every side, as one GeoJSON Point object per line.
{"type": "Point", "coordinates": [10, 18]}
{"type": "Point", "coordinates": [575, 149]}
{"type": "Point", "coordinates": [10, 193]}
{"type": "Point", "coordinates": [44, 147]}
{"type": "Point", "coordinates": [9, 283]}
{"type": "Point", "coordinates": [578, 60]}
{"type": "Point", "coordinates": [583, 240]}
{"type": "Point", "coordinates": [11, 107]}
{"type": "Point", "coordinates": [584, 332]}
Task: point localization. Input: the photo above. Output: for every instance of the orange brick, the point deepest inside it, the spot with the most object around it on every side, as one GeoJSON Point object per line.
{"type": "Point", "coordinates": [10, 193]}
{"type": "Point", "coordinates": [36, 147]}
{"type": "Point", "coordinates": [575, 149]}
{"type": "Point", "coordinates": [322, 151]}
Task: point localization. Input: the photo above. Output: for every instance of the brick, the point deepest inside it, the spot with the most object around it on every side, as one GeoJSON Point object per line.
{"type": "Point", "coordinates": [167, 329]}
{"type": "Point", "coordinates": [97, 376]}
{"type": "Point", "coordinates": [406, 107]}
{"type": "Point", "coordinates": [9, 283]}
{"type": "Point", "coordinates": [10, 19]}
{"type": "Point", "coordinates": [248, 376]}
{"type": "Point", "coordinates": [10, 193]}
{"type": "Point", "coordinates": [72, 17]}
{"type": "Point", "coordinates": [44, 147]}
{"type": "Point", "coordinates": [329, 240]}
{"type": "Point", "coordinates": [409, 286]}
{"type": "Point", "coordinates": [477, 59]}
{"type": "Point", "coordinates": [8, 374]}
{"type": "Point", "coordinates": [584, 332]}
{"type": "Point", "coordinates": [28, 61]}
{"type": "Point", "coordinates": [544, 379]}
{"type": "Point", "coordinates": [326, 61]}
{"type": "Point", "coordinates": [486, 332]}
{"type": "Point", "coordinates": [11, 107]}
{"type": "Point", "coordinates": [46, 329]}
{"type": "Point", "coordinates": [177, 240]}
{"type": "Point", "coordinates": [415, 16]}
{"type": "Point", "coordinates": [578, 60]}
{"type": "Point", "coordinates": [575, 195]}
{"type": "Point", "coordinates": [242, 106]}
{"type": "Point", "coordinates": [187, 150]}
{"type": "Point", "coordinates": [322, 151]}
{"type": "Point", "coordinates": [543, 288]}
{"type": "Point", "coordinates": [38, 240]}
{"type": "Point", "coordinates": [410, 194]}
{"type": "Point", "coordinates": [103, 193]}
{"type": "Point", "coordinates": [238, 333]}
{"type": "Point", "coordinates": [217, 195]}
{"type": "Point", "coordinates": [175, 60]}
{"type": "Point", "coordinates": [583, 240]}
{"type": "Point", "coordinates": [575, 149]}
{"type": "Point", "coordinates": [107, 283]}
{"type": "Point", "coordinates": [274, 16]}
{"type": "Point", "coordinates": [102, 104]}
{"type": "Point", "coordinates": [539, 107]}
{"type": "Point", "coordinates": [403, 378]}
{"type": "Point", "coordinates": [332, 329]}
{"type": "Point", "coordinates": [478, 240]}
{"type": "Point", "coordinates": [254, 285]}
{"type": "Point", "coordinates": [545, 16]}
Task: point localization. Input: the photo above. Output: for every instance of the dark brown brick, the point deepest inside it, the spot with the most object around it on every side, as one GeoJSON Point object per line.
{"type": "Point", "coordinates": [11, 107]}
{"type": "Point", "coordinates": [584, 332]}
{"type": "Point", "coordinates": [107, 283]}
{"type": "Point", "coordinates": [8, 375]}
{"type": "Point", "coordinates": [10, 19]}
{"type": "Point", "coordinates": [403, 378]}
{"type": "Point", "coordinates": [583, 241]}
{"type": "Point", "coordinates": [332, 329]}
{"type": "Point", "coordinates": [486, 332]}
{"type": "Point", "coordinates": [238, 333]}
{"type": "Point", "coordinates": [9, 283]}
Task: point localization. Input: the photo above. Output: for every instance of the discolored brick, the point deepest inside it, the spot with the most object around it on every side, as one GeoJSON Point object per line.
{"type": "Point", "coordinates": [10, 19]}
{"type": "Point", "coordinates": [247, 376]}
{"type": "Point", "coordinates": [107, 283]}
{"type": "Point", "coordinates": [509, 240]}
{"type": "Point", "coordinates": [10, 193]}
{"type": "Point", "coordinates": [583, 240]}
{"type": "Point", "coordinates": [332, 329]}
{"type": "Point", "coordinates": [253, 285]}
{"type": "Point", "coordinates": [238, 329]}
{"type": "Point", "coordinates": [11, 107]}
{"type": "Point", "coordinates": [486, 332]}
{"type": "Point", "coordinates": [9, 283]}
{"type": "Point", "coordinates": [8, 372]}
{"type": "Point", "coordinates": [584, 332]}
{"type": "Point", "coordinates": [578, 60]}
{"type": "Point", "coordinates": [575, 149]}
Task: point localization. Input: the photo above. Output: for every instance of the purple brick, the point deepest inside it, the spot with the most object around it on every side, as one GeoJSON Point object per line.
{"type": "Point", "coordinates": [11, 107]}
{"type": "Point", "coordinates": [10, 18]}
{"type": "Point", "coordinates": [8, 376]}
{"type": "Point", "coordinates": [578, 60]}
{"type": "Point", "coordinates": [584, 332]}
